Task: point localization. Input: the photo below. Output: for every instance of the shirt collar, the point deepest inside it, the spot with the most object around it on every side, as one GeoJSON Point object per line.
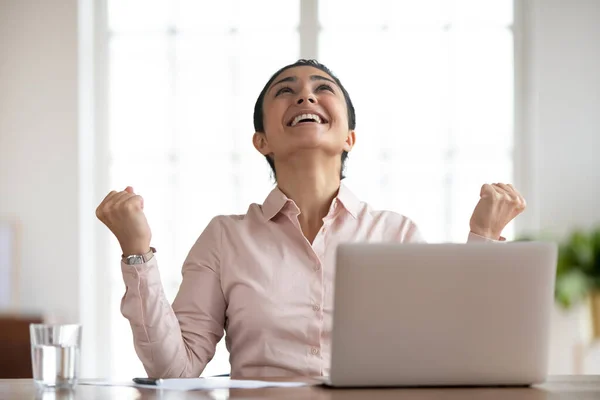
{"type": "Point", "coordinates": [277, 200]}
{"type": "Point", "coordinates": [274, 203]}
{"type": "Point", "coordinates": [349, 201]}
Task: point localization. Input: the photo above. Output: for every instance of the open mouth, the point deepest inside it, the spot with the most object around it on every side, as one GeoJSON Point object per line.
{"type": "Point", "coordinates": [307, 119]}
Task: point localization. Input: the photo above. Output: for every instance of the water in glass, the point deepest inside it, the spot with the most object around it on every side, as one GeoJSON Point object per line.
{"type": "Point", "coordinates": [55, 365]}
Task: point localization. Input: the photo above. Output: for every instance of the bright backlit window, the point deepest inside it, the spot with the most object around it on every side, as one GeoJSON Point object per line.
{"type": "Point", "coordinates": [431, 80]}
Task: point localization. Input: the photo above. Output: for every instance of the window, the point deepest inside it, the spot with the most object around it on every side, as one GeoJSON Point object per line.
{"type": "Point", "coordinates": [431, 80]}
{"type": "Point", "coordinates": [432, 83]}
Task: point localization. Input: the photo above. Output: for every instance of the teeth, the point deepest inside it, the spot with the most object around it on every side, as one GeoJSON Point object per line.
{"type": "Point", "coordinates": [299, 118]}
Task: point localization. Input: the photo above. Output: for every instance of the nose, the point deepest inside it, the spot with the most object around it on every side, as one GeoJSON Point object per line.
{"type": "Point", "coordinates": [309, 98]}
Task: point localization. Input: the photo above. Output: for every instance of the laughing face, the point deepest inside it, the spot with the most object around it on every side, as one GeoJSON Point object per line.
{"type": "Point", "coordinates": [304, 110]}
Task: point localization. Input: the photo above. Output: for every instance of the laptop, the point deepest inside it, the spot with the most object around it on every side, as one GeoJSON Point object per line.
{"type": "Point", "coordinates": [442, 314]}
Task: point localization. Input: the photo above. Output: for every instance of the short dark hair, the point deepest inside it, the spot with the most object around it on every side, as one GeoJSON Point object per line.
{"type": "Point", "coordinates": [258, 107]}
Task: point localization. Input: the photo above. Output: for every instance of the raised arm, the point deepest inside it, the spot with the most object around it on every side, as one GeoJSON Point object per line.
{"type": "Point", "coordinates": [498, 205]}
{"type": "Point", "coordinates": [175, 341]}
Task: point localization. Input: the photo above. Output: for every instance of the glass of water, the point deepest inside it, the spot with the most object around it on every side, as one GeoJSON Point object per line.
{"type": "Point", "coordinates": [55, 354]}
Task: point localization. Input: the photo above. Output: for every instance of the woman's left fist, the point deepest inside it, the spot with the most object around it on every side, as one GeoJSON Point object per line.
{"type": "Point", "coordinates": [499, 204]}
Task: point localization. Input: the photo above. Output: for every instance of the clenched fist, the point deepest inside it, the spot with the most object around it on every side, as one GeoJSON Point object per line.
{"type": "Point", "coordinates": [499, 204]}
{"type": "Point", "coordinates": [123, 213]}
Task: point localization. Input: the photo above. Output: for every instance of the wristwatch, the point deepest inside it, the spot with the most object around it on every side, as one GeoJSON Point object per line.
{"type": "Point", "coordinates": [139, 258]}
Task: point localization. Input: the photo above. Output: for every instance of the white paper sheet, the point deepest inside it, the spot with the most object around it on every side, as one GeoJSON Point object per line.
{"type": "Point", "coordinates": [201, 384]}
{"type": "Point", "coordinates": [97, 382]}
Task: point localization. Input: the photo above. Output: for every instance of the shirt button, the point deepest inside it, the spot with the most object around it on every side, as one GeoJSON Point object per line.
{"type": "Point", "coordinates": [316, 307]}
{"type": "Point", "coordinates": [314, 351]}
{"type": "Point", "coordinates": [317, 267]}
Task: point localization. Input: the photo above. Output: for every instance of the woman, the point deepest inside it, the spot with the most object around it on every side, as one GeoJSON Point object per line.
{"type": "Point", "coordinates": [266, 276]}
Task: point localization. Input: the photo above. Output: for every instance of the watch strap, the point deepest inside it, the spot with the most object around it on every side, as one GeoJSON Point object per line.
{"type": "Point", "coordinates": [136, 258]}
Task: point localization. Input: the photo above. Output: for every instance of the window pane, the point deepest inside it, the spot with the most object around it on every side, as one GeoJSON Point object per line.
{"type": "Point", "coordinates": [267, 15]}
{"type": "Point", "coordinates": [204, 92]}
{"type": "Point", "coordinates": [193, 15]}
{"type": "Point", "coordinates": [140, 95]}
{"type": "Point", "coordinates": [416, 186]}
{"type": "Point", "coordinates": [492, 13]}
{"type": "Point", "coordinates": [483, 88]}
{"type": "Point", "coordinates": [417, 94]}
{"type": "Point", "coordinates": [205, 16]}
{"type": "Point", "coordinates": [357, 14]}
{"type": "Point", "coordinates": [422, 13]}
{"type": "Point", "coordinates": [139, 15]}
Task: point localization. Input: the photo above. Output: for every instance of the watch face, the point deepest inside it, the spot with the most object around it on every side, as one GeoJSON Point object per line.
{"type": "Point", "coordinates": [135, 260]}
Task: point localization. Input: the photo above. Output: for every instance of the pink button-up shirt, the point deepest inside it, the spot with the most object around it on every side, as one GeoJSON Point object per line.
{"type": "Point", "coordinates": [258, 278]}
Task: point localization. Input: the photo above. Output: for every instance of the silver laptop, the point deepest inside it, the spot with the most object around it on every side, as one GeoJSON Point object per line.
{"type": "Point", "coordinates": [442, 314]}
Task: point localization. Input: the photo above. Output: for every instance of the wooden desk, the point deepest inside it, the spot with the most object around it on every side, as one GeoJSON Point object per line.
{"type": "Point", "coordinates": [562, 387]}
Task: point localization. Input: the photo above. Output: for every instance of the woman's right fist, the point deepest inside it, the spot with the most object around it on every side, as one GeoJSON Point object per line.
{"type": "Point", "coordinates": [123, 213]}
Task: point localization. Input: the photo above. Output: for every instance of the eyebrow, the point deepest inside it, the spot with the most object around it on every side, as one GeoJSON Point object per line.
{"type": "Point", "coordinates": [294, 79]}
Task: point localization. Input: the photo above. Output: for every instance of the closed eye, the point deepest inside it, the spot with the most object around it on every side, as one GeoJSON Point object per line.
{"type": "Point", "coordinates": [325, 87]}
{"type": "Point", "coordinates": [285, 89]}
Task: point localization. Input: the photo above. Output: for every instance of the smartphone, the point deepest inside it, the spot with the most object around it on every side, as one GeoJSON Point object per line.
{"type": "Point", "coordinates": [148, 381]}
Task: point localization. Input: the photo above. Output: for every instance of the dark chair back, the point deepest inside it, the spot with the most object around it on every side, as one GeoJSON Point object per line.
{"type": "Point", "coordinates": [15, 348]}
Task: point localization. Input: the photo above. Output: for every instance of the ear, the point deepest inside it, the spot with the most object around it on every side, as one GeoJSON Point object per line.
{"type": "Point", "coordinates": [259, 139]}
{"type": "Point", "coordinates": [350, 140]}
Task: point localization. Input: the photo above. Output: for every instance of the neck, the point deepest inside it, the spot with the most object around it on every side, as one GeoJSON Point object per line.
{"type": "Point", "coordinates": [312, 186]}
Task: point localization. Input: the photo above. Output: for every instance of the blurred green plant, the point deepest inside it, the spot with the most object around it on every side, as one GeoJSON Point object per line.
{"type": "Point", "coordinates": [578, 266]}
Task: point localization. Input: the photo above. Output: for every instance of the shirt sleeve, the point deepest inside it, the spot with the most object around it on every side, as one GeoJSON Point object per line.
{"type": "Point", "coordinates": [402, 229]}
{"type": "Point", "coordinates": [178, 340]}
{"type": "Point", "coordinates": [409, 232]}
{"type": "Point", "coordinates": [413, 234]}
{"type": "Point", "coordinates": [475, 238]}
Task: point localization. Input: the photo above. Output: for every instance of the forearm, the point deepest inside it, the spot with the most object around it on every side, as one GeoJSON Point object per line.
{"type": "Point", "coordinates": [157, 335]}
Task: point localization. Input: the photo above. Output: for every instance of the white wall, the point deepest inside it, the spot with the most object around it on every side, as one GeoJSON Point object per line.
{"type": "Point", "coordinates": [561, 135]}
{"type": "Point", "coordinates": [567, 49]}
{"type": "Point", "coordinates": [38, 148]}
